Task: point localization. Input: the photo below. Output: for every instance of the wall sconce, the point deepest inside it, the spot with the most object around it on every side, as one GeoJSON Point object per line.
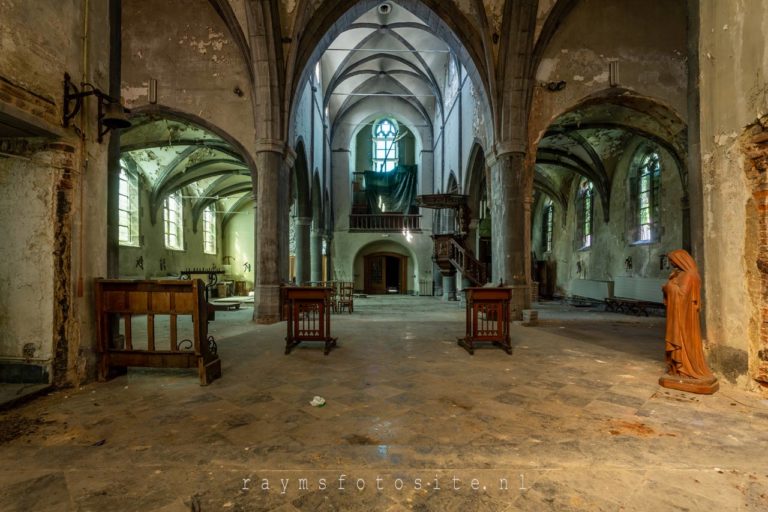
{"type": "Point", "coordinates": [613, 73]}
{"type": "Point", "coordinates": [663, 262]}
{"type": "Point", "coordinates": [246, 267]}
{"type": "Point", "coordinates": [628, 263]}
{"type": "Point", "coordinates": [555, 86]}
{"type": "Point", "coordinates": [111, 114]}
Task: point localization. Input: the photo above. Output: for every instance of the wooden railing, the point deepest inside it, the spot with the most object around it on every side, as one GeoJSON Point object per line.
{"type": "Point", "coordinates": [385, 222]}
{"type": "Point", "coordinates": [451, 255]}
{"type": "Point", "coordinates": [472, 269]}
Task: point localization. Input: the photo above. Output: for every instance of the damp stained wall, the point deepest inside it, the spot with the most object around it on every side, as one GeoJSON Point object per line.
{"type": "Point", "coordinates": [27, 276]}
{"type": "Point", "coordinates": [152, 248]}
{"type": "Point", "coordinates": [733, 61]}
{"type": "Point", "coordinates": [648, 39]}
{"type": "Point", "coordinates": [238, 244]}
{"type": "Point", "coordinates": [198, 66]}
{"type": "Point", "coordinates": [54, 241]}
{"type": "Point", "coordinates": [612, 243]}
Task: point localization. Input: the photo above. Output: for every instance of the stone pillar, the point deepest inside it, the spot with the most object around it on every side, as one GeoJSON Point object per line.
{"type": "Point", "coordinates": [269, 172]}
{"type": "Point", "coordinates": [329, 260]}
{"type": "Point", "coordinates": [438, 280]}
{"type": "Point", "coordinates": [303, 250]}
{"type": "Point", "coordinates": [284, 203]}
{"type": "Point", "coordinates": [449, 287]}
{"type": "Point", "coordinates": [510, 210]}
{"type": "Point", "coordinates": [316, 254]}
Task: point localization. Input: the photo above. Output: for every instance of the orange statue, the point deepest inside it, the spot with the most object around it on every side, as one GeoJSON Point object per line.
{"type": "Point", "coordinates": [686, 367]}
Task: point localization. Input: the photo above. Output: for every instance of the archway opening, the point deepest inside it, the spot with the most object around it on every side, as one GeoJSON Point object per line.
{"type": "Point", "coordinates": [186, 202]}
{"type": "Point", "coordinates": [610, 199]}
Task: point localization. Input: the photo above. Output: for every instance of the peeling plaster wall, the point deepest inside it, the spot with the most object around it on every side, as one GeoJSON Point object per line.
{"type": "Point", "coordinates": [734, 93]}
{"type": "Point", "coordinates": [54, 242]}
{"type": "Point", "coordinates": [611, 245]}
{"type": "Point", "coordinates": [194, 59]}
{"type": "Point", "coordinates": [26, 279]}
{"type": "Point", "coordinates": [648, 38]}
{"type": "Point", "coordinates": [153, 249]}
{"type": "Point", "coordinates": [238, 243]}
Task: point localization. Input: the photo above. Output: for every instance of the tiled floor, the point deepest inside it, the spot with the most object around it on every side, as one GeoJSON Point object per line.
{"type": "Point", "coordinates": [572, 420]}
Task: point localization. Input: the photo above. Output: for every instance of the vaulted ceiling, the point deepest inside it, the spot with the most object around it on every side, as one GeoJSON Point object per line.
{"type": "Point", "coordinates": [589, 141]}
{"type": "Point", "coordinates": [176, 155]}
{"type": "Point", "coordinates": [387, 54]}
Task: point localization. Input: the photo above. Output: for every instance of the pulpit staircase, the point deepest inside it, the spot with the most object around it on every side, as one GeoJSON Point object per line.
{"type": "Point", "coordinates": [451, 255]}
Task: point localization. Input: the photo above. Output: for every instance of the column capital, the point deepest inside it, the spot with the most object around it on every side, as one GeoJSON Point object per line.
{"type": "Point", "coordinates": [504, 149]}
{"type": "Point", "coordinates": [269, 146]}
{"type": "Point", "coordinates": [278, 147]}
{"type": "Point", "coordinates": [303, 221]}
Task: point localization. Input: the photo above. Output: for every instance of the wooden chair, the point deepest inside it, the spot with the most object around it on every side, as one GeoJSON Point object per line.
{"type": "Point", "coordinates": [334, 286]}
{"type": "Point", "coordinates": [346, 290]}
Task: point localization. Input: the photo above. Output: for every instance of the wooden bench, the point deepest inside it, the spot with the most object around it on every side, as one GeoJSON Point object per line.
{"type": "Point", "coordinates": [634, 306]}
{"type": "Point", "coordinates": [122, 299]}
{"type": "Point", "coordinates": [635, 295]}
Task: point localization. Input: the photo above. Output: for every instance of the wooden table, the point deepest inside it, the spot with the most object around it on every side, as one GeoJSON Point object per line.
{"type": "Point", "coordinates": [487, 318]}
{"type": "Point", "coordinates": [309, 316]}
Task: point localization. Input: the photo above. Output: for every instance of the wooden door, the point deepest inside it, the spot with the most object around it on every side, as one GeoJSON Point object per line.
{"type": "Point", "coordinates": [375, 274]}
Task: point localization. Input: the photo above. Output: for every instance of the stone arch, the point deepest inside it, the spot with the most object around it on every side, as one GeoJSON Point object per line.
{"type": "Point", "coordinates": [316, 201]}
{"type": "Point", "coordinates": [385, 246]}
{"type": "Point", "coordinates": [300, 180]}
{"type": "Point", "coordinates": [565, 141]}
{"type": "Point", "coordinates": [162, 111]}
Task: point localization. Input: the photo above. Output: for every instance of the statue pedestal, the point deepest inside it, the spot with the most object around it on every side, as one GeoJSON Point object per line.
{"type": "Point", "coordinates": [680, 383]}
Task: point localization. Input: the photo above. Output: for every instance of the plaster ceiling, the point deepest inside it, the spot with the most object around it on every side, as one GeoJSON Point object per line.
{"type": "Point", "coordinates": [175, 155]}
{"type": "Point", "coordinates": [385, 57]}
{"type": "Point", "coordinates": [590, 140]}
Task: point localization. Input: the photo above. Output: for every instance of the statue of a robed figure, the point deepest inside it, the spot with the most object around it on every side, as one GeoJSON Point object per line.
{"type": "Point", "coordinates": [686, 367]}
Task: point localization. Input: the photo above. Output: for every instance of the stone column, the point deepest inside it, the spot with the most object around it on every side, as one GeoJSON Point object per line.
{"type": "Point", "coordinates": [329, 260]}
{"type": "Point", "coordinates": [316, 254]}
{"type": "Point", "coordinates": [284, 203]}
{"type": "Point", "coordinates": [438, 280]}
{"type": "Point", "coordinates": [510, 210]}
{"type": "Point", "coordinates": [449, 287]}
{"type": "Point", "coordinates": [269, 172]}
{"type": "Point", "coordinates": [303, 250]}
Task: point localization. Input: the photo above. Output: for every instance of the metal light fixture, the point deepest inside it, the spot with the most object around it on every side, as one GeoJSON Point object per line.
{"type": "Point", "coordinates": [111, 114]}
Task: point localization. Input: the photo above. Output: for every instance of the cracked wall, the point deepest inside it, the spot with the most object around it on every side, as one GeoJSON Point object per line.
{"type": "Point", "coordinates": [54, 240]}
{"type": "Point", "coordinates": [734, 95]}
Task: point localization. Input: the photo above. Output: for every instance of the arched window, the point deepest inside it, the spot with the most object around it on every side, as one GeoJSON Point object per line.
{"type": "Point", "coordinates": [584, 210]}
{"type": "Point", "coordinates": [173, 222]}
{"type": "Point", "coordinates": [128, 208]}
{"type": "Point", "coordinates": [547, 224]}
{"type": "Point", "coordinates": [209, 230]}
{"type": "Point", "coordinates": [646, 186]}
{"type": "Point", "coordinates": [385, 154]}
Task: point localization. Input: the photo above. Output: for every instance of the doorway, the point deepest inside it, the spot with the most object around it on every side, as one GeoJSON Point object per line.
{"type": "Point", "coordinates": [385, 273]}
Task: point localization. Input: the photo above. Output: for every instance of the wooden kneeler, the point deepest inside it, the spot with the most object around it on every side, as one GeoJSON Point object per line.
{"type": "Point", "coordinates": [309, 316]}
{"type": "Point", "coordinates": [487, 318]}
{"type": "Point", "coordinates": [118, 299]}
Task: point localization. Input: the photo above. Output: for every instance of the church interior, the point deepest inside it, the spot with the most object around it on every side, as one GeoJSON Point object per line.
{"type": "Point", "coordinates": [177, 176]}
